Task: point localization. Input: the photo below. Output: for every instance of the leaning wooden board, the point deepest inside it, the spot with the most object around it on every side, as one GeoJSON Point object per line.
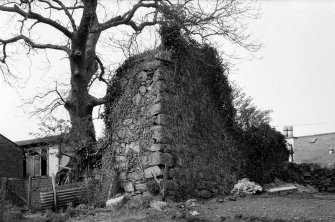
{"type": "Point", "coordinates": [63, 197]}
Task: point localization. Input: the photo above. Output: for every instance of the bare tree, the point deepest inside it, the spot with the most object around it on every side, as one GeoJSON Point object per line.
{"type": "Point", "coordinates": [247, 113]}
{"type": "Point", "coordinates": [81, 28]}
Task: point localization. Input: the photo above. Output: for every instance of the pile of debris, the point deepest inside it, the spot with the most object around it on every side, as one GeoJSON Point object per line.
{"type": "Point", "coordinates": [245, 186]}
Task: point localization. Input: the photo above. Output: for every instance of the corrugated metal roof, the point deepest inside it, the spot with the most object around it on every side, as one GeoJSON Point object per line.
{"type": "Point", "coordinates": [37, 141]}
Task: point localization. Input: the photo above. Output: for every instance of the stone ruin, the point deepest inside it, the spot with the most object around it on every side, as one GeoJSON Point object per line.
{"type": "Point", "coordinates": [158, 118]}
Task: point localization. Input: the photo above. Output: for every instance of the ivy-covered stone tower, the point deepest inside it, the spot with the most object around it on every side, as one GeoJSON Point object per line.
{"type": "Point", "coordinates": [168, 122]}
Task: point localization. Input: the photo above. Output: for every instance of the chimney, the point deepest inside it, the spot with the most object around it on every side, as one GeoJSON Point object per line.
{"type": "Point", "coordinates": [288, 131]}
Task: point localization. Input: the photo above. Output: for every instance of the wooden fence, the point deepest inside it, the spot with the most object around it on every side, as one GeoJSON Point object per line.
{"type": "Point", "coordinates": [42, 193]}
{"type": "Point", "coordinates": [27, 191]}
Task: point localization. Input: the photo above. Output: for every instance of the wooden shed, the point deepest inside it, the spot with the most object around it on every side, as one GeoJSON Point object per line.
{"type": "Point", "coordinates": [42, 157]}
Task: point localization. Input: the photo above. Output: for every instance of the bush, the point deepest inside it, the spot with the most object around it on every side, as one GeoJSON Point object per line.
{"type": "Point", "coordinates": [264, 152]}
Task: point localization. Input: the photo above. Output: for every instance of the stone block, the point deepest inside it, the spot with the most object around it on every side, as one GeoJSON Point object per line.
{"type": "Point", "coordinates": [164, 55]}
{"type": "Point", "coordinates": [158, 158]}
{"type": "Point", "coordinates": [155, 169]}
{"type": "Point", "coordinates": [136, 148]}
{"type": "Point", "coordinates": [158, 75]}
{"type": "Point", "coordinates": [160, 135]}
{"type": "Point", "coordinates": [122, 132]}
{"type": "Point", "coordinates": [161, 119]}
{"type": "Point", "coordinates": [159, 87]}
{"type": "Point", "coordinates": [137, 99]}
{"type": "Point", "coordinates": [148, 82]}
{"type": "Point", "coordinates": [156, 109]}
{"type": "Point", "coordinates": [143, 90]}
{"type": "Point", "coordinates": [141, 186]}
{"type": "Point", "coordinates": [161, 97]}
{"type": "Point", "coordinates": [157, 147]}
{"type": "Point", "coordinates": [151, 65]}
{"type": "Point", "coordinates": [205, 194]}
{"type": "Point", "coordinates": [127, 148]}
{"type": "Point", "coordinates": [129, 187]}
{"type": "Point", "coordinates": [142, 76]}
{"type": "Point", "coordinates": [120, 158]}
{"type": "Point", "coordinates": [127, 121]}
{"type": "Point", "coordinates": [134, 176]}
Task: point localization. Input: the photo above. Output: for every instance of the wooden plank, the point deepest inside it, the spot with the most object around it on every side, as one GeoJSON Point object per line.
{"type": "Point", "coordinates": [54, 191]}
{"type": "Point", "coordinates": [285, 188]}
{"type": "Point", "coordinates": [29, 191]}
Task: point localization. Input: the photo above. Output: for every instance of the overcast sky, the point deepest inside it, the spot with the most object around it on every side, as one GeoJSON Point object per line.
{"type": "Point", "coordinates": [295, 76]}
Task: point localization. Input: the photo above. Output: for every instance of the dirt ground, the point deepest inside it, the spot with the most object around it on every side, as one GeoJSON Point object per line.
{"type": "Point", "coordinates": [292, 207]}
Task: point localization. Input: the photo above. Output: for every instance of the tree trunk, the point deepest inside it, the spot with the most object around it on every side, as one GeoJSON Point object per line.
{"type": "Point", "coordinates": [80, 103]}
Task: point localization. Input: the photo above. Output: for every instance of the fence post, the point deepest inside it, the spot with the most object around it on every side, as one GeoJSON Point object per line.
{"type": "Point", "coordinates": [29, 191]}
{"type": "Point", "coordinates": [54, 190]}
{"type": "Point", "coordinates": [3, 192]}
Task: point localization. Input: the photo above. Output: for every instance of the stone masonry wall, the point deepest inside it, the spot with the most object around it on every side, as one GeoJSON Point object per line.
{"type": "Point", "coordinates": [160, 117]}
{"type": "Point", "coordinates": [322, 178]}
{"type": "Point", "coordinates": [136, 120]}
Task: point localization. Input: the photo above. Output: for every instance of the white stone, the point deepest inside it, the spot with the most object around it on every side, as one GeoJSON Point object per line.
{"type": "Point", "coordinates": [115, 201]}
{"type": "Point", "coordinates": [158, 205]}
{"type": "Point", "coordinates": [127, 148]}
{"type": "Point", "coordinates": [194, 213]}
{"type": "Point", "coordinates": [156, 109]}
{"type": "Point", "coordinates": [156, 147]}
{"type": "Point", "coordinates": [136, 148]}
{"type": "Point", "coordinates": [158, 158]}
{"type": "Point", "coordinates": [143, 89]}
{"type": "Point", "coordinates": [120, 158]}
{"type": "Point", "coordinates": [129, 187]}
{"type": "Point", "coordinates": [137, 99]}
{"type": "Point", "coordinates": [155, 169]}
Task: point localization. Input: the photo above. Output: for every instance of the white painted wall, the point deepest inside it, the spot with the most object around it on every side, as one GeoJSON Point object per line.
{"type": "Point", "coordinates": [53, 160]}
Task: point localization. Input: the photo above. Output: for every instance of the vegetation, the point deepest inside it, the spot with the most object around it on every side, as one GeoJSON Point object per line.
{"type": "Point", "coordinates": [263, 148]}
{"type": "Point", "coordinates": [247, 113]}
{"type": "Point", "coordinates": [264, 153]}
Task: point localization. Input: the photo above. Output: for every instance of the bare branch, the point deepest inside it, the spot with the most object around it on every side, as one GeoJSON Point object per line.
{"type": "Point", "coordinates": [102, 68]}
{"type": "Point", "coordinates": [29, 42]}
{"type": "Point", "coordinates": [126, 18]}
{"type": "Point", "coordinates": [59, 95]}
{"type": "Point", "coordinates": [51, 6]}
{"type": "Point", "coordinates": [36, 16]}
{"type": "Point", "coordinates": [73, 24]}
